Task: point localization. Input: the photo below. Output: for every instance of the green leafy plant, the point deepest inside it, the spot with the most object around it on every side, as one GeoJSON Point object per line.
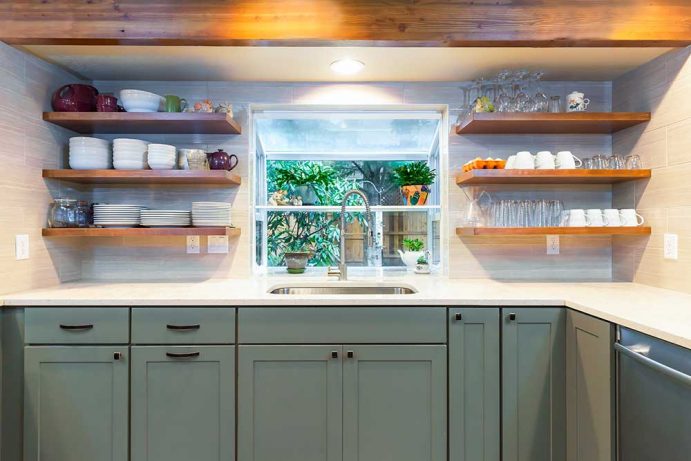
{"type": "Point", "coordinates": [304, 174]}
{"type": "Point", "coordinates": [422, 260]}
{"type": "Point", "coordinates": [413, 244]}
{"type": "Point", "coordinates": [414, 174]}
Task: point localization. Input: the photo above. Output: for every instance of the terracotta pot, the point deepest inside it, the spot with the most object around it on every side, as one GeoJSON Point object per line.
{"type": "Point", "coordinates": [415, 195]}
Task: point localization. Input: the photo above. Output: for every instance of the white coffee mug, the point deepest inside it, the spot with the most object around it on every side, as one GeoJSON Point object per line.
{"type": "Point", "coordinates": [612, 217]}
{"type": "Point", "coordinates": [630, 218]}
{"type": "Point", "coordinates": [524, 161]}
{"type": "Point", "coordinates": [576, 102]}
{"type": "Point", "coordinates": [510, 162]}
{"type": "Point", "coordinates": [577, 218]}
{"type": "Point", "coordinates": [567, 161]}
{"type": "Point", "coordinates": [595, 218]}
{"type": "Point", "coordinates": [544, 160]}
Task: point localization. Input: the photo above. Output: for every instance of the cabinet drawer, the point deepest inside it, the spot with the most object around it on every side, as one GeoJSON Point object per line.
{"type": "Point", "coordinates": [334, 325]}
{"type": "Point", "coordinates": [183, 325]}
{"type": "Point", "coordinates": [77, 325]}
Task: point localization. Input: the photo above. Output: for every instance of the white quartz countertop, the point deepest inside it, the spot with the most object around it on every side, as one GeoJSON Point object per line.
{"type": "Point", "coordinates": [661, 313]}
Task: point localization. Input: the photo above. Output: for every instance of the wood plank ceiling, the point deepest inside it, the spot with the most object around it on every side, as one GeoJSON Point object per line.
{"type": "Point", "coordinates": [468, 23]}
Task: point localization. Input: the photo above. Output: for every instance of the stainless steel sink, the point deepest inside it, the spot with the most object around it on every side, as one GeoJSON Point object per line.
{"type": "Point", "coordinates": [342, 289]}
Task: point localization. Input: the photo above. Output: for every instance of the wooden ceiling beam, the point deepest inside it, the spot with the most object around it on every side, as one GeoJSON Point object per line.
{"type": "Point", "coordinates": [467, 23]}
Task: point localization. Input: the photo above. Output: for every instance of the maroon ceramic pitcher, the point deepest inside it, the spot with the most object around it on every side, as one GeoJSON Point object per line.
{"type": "Point", "coordinates": [75, 98]}
{"type": "Point", "coordinates": [220, 160]}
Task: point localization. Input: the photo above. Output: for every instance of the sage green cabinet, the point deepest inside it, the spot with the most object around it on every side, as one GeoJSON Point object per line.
{"type": "Point", "coordinates": [533, 390]}
{"type": "Point", "coordinates": [590, 388]}
{"type": "Point", "coordinates": [183, 403]}
{"type": "Point", "coordinates": [394, 403]}
{"type": "Point", "coordinates": [474, 384]}
{"type": "Point", "coordinates": [335, 402]}
{"type": "Point", "coordinates": [290, 403]}
{"type": "Point", "coordinates": [75, 403]}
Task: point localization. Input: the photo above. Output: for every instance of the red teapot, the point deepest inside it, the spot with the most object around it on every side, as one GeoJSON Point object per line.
{"type": "Point", "coordinates": [75, 98]}
{"type": "Point", "coordinates": [221, 160]}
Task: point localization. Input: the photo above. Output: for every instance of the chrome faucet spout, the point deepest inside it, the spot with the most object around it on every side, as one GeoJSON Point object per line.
{"type": "Point", "coordinates": [342, 267]}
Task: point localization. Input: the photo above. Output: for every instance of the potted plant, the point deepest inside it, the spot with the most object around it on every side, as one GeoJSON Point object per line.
{"type": "Point", "coordinates": [422, 266]}
{"type": "Point", "coordinates": [412, 251]}
{"type": "Point", "coordinates": [296, 258]}
{"type": "Point", "coordinates": [304, 178]}
{"type": "Point", "coordinates": [414, 180]}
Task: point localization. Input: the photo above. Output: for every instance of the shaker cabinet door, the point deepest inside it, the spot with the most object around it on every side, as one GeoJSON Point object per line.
{"type": "Point", "coordinates": [183, 403]}
{"type": "Point", "coordinates": [474, 384]}
{"type": "Point", "coordinates": [394, 403]}
{"type": "Point", "coordinates": [590, 388]}
{"type": "Point", "coordinates": [534, 401]}
{"type": "Point", "coordinates": [75, 403]}
{"type": "Point", "coordinates": [290, 403]}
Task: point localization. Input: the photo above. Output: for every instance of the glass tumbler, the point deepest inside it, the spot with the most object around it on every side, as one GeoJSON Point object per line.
{"type": "Point", "coordinates": [617, 162]}
{"type": "Point", "coordinates": [633, 162]}
{"type": "Point", "coordinates": [554, 104]}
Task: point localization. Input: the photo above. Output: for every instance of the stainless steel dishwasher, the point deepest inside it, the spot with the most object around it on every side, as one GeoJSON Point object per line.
{"type": "Point", "coordinates": [654, 398]}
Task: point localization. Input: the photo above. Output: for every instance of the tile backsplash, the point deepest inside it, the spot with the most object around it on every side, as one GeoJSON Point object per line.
{"type": "Point", "coordinates": [165, 258]}
{"type": "Point", "coordinates": [663, 87]}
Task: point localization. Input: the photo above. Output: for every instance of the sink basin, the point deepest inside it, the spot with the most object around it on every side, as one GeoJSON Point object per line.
{"type": "Point", "coordinates": [342, 289]}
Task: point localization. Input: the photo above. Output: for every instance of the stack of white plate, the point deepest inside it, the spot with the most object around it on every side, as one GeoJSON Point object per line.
{"type": "Point", "coordinates": [116, 215]}
{"type": "Point", "coordinates": [211, 214]}
{"type": "Point", "coordinates": [129, 154]}
{"type": "Point", "coordinates": [166, 218]}
{"type": "Point", "coordinates": [161, 156]}
{"type": "Point", "coordinates": [89, 153]}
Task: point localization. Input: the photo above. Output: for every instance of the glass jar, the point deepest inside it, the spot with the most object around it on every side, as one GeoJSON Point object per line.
{"type": "Point", "coordinates": [63, 213]}
{"type": "Point", "coordinates": [83, 214]}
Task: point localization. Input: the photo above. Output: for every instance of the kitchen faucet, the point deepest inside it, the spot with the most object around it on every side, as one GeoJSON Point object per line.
{"type": "Point", "coordinates": [342, 271]}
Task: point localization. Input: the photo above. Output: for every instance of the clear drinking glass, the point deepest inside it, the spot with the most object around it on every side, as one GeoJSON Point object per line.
{"type": "Point", "coordinates": [554, 104]}
{"type": "Point", "coordinates": [633, 162]}
{"type": "Point", "coordinates": [617, 162]}
{"type": "Point", "coordinates": [63, 213]}
{"type": "Point", "coordinates": [540, 100]}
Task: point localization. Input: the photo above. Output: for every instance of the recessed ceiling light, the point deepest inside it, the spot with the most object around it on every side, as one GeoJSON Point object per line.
{"type": "Point", "coordinates": [347, 66]}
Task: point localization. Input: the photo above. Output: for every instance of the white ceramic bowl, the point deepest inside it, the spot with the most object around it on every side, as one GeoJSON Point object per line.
{"type": "Point", "coordinates": [141, 101]}
{"type": "Point", "coordinates": [129, 142]}
{"type": "Point", "coordinates": [129, 165]}
{"type": "Point", "coordinates": [82, 164]}
{"type": "Point", "coordinates": [85, 141]}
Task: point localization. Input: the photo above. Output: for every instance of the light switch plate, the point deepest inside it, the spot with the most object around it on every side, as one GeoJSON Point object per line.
{"type": "Point", "coordinates": [21, 246]}
{"type": "Point", "coordinates": [552, 244]}
{"type": "Point", "coordinates": [218, 244]}
{"type": "Point", "coordinates": [671, 246]}
{"type": "Point", "coordinates": [193, 245]}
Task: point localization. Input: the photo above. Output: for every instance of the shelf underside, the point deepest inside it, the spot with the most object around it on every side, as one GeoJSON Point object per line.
{"type": "Point", "coordinates": [138, 231]}
{"type": "Point", "coordinates": [502, 176]}
{"type": "Point", "coordinates": [188, 177]}
{"type": "Point", "coordinates": [528, 231]}
{"type": "Point", "coordinates": [549, 123]}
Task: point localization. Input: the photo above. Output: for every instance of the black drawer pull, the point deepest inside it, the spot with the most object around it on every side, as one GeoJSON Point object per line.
{"type": "Point", "coordinates": [459, 316]}
{"type": "Point", "coordinates": [350, 354]}
{"type": "Point", "coordinates": [512, 316]}
{"type": "Point", "coordinates": [87, 326]}
{"type": "Point", "coordinates": [117, 355]}
{"type": "Point", "coordinates": [182, 355]}
{"type": "Point", "coordinates": [334, 354]}
{"type": "Point", "coordinates": [183, 327]}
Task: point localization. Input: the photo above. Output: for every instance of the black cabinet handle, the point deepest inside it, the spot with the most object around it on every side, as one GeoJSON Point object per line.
{"type": "Point", "coordinates": [87, 326]}
{"type": "Point", "coordinates": [182, 355]}
{"type": "Point", "coordinates": [512, 316]}
{"type": "Point", "coordinates": [183, 327]}
{"type": "Point", "coordinates": [350, 354]}
{"type": "Point", "coordinates": [117, 355]}
{"type": "Point", "coordinates": [459, 316]}
{"type": "Point", "coordinates": [334, 354]}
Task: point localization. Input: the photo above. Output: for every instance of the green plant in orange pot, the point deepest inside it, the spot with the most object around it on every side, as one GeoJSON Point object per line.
{"type": "Point", "coordinates": [415, 180]}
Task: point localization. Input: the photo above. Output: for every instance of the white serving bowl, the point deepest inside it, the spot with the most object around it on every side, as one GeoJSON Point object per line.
{"type": "Point", "coordinates": [141, 101]}
{"type": "Point", "coordinates": [162, 166]}
{"type": "Point", "coordinates": [88, 142]}
{"type": "Point", "coordinates": [129, 165]}
{"type": "Point", "coordinates": [125, 142]}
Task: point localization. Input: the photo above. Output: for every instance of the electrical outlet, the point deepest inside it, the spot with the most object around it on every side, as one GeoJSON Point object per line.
{"type": "Point", "coordinates": [671, 246]}
{"type": "Point", "coordinates": [218, 244]}
{"type": "Point", "coordinates": [193, 245]}
{"type": "Point", "coordinates": [21, 246]}
{"type": "Point", "coordinates": [552, 244]}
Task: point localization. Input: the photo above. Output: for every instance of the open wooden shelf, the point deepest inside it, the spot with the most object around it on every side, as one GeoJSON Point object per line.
{"type": "Point", "coordinates": [502, 176]}
{"type": "Point", "coordinates": [185, 177]}
{"type": "Point", "coordinates": [144, 122]}
{"type": "Point", "coordinates": [549, 123]}
{"type": "Point", "coordinates": [138, 231]}
{"type": "Point", "coordinates": [527, 231]}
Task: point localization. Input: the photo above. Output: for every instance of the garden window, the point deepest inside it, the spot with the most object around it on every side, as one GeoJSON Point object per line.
{"type": "Point", "coordinates": [306, 159]}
